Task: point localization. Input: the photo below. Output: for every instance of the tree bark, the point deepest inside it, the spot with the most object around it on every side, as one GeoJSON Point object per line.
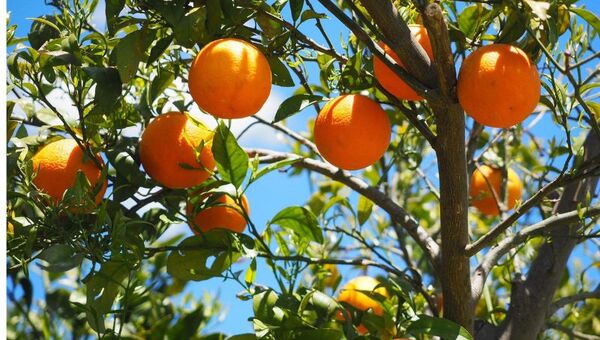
{"type": "Point", "coordinates": [531, 298]}
{"type": "Point", "coordinates": [452, 169]}
{"type": "Point", "coordinates": [454, 272]}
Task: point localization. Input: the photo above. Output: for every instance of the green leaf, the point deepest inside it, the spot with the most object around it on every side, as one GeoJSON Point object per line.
{"type": "Point", "coordinates": [281, 74]}
{"type": "Point", "coordinates": [588, 16]}
{"type": "Point", "coordinates": [190, 261]}
{"type": "Point", "coordinates": [443, 328]}
{"type": "Point", "coordinates": [231, 159]}
{"type": "Point", "coordinates": [323, 301]}
{"type": "Point", "coordinates": [191, 29]}
{"type": "Point", "coordinates": [365, 207]}
{"type": "Point", "coordinates": [60, 258]}
{"type": "Point", "coordinates": [295, 104]}
{"type": "Point", "coordinates": [251, 273]}
{"type": "Point", "coordinates": [187, 326]}
{"type": "Point", "coordinates": [159, 48]}
{"type": "Point", "coordinates": [130, 51]}
{"type": "Point", "coordinates": [539, 8]}
{"type": "Point", "coordinates": [595, 107]}
{"type": "Point", "coordinates": [310, 14]}
{"type": "Point", "coordinates": [246, 336]}
{"type": "Point", "coordinates": [112, 10]}
{"type": "Point", "coordinates": [469, 19]}
{"type": "Point", "coordinates": [321, 334]}
{"type": "Point", "coordinates": [296, 7]}
{"type": "Point", "coordinates": [102, 289]}
{"type": "Point", "coordinates": [108, 86]}
{"type": "Point", "coordinates": [272, 167]}
{"type": "Point", "coordinates": [42, 30]}
{"type": "Point", "coordinates": [263, 303]}
{"type": "Point", "coordinates": [126, 167]}
{"type": "Point", "coordinates": [301, 221]}
{"type": "Point", "coordinates": [213, 17]}
{"type": "Point", "coordinates": [513, 28]}
{"type": "Point", "coordinates": [160, 84]}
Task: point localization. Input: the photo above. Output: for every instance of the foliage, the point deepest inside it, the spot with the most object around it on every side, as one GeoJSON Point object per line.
{"type": "Point", "coordinates": [124, 280]}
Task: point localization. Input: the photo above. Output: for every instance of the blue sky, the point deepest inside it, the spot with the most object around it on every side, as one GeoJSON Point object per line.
{"type": "Point", "coordinates": [274, 191]}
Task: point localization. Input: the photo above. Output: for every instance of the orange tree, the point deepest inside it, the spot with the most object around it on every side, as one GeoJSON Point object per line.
{"type": "Point", "coordinates": [391, 99]}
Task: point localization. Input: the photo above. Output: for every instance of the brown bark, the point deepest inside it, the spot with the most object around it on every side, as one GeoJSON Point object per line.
{"type": "Point", "coordinates": [450, 146]}
{"type": "Point", "coordinates": [452, 169]}
{"type": "Point", "coordinates": [531, 298]}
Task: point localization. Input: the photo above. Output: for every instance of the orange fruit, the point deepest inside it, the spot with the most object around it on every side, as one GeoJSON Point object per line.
{"type": "Point", "coordinates": [353, 294]}
{"type": "Point", "coordinates": [352, 132]}
{"type": "Point", "coordinates": [386, 76]}
{"type": "Point", "coordinates": [56, 166]}
{"type": "Point", "coordinates": [168, 150]}
{"type": "Point", "coordinates": [484, 180]}
{"type": "Point", "coordinates": [498, 85]}
{"type": "Point", "coordinates": [10, 229]}
{"type": "Point", "coordinates": [224, 214]}
{"type": "Point", "coordinates": [230, 78]}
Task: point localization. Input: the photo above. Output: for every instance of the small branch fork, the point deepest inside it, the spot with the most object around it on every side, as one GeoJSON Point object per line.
{"type": "Point", "coordinates": [397, 213]}
{"type": "Point", "coordinates": [487, 239]}
{"type": "Point", "coordinates": [538, 229]}
{"type": "Point", "coordinates": [562, 302]}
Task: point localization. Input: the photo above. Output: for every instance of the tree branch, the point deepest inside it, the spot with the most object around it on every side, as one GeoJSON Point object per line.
{"type": "Point", "coordinates": [561, 180]}
{"type": "Point", "coordinates": [567, 300]}
{"type": "Point", "coordinates": [401, 41]}
{"type": "Point", "coordinates": [573, 333]}
{"type": "Point", "coordinates": [491, 258]}
{"type": "Point", "coordinates": [414, 82]}
{"type": "Point", "coordinates": [397, 213]}
{"type": "Point", "coordinates": [298, 137]}
{"type": "Point", "coordinates": [528, 311]}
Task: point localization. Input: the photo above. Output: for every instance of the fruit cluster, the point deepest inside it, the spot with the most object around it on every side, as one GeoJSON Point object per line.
{"type": "Point", "coordinates": [498, 86]}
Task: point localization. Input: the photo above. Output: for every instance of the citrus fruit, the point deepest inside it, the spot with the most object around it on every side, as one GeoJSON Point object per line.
{"type": "Point", "coordinates": [484, 180]}
{"type": "Point", "coordinates": [498, 85]}
{"type": "Point", "coordinates": [352, 132]}
{"type": "Point", "coordinates": [175, 151]}
{"type": "Point", "coordinates": [225, 213]}
{"type": "Point", "coordinates": [56, 166]}
{"type": "Point", "coordinates": [230, 78]}
{"type": "Point", "coordinates": [390, 80]}
{"type": "Point", "coordinates": [353, 294]}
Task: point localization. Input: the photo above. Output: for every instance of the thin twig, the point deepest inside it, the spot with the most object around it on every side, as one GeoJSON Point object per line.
{"type": "Point", "coordinates": [427, 244]}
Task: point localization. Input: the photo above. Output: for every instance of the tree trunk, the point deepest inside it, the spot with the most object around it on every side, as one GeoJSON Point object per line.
{"type": "Point", "coordinates": [531, 298]}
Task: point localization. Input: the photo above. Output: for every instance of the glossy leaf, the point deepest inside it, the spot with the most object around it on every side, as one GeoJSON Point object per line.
{"type": "Point", "coordinates": [295, 104]}
{"type": "Point", "coordinates": [232, 160]}
{"type": "Point", "coordinates": [443, 328]}
{"type": "Point", "coordinates": [300, 221]}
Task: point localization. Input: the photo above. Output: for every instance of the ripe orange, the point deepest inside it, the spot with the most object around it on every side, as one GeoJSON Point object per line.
{"type": "Point", "coordinates": [169, 148]}
{"type": "Point", "coordinates": [226, 214]}
{"type": "Point", "coordinates": [352, 294]}
{"type": "Point", "coordinates": [388, 79]}
{"type": "Point", "coordinates": [230, 78]}
{"type": "Point", "coordinates": [56, 166]}
{"type": "Point", "coordinates": [352, 132]}
{"type": "Point", "coordinates": [498, 85]}
{"type": "Point", "coordinates": [486, 178]}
